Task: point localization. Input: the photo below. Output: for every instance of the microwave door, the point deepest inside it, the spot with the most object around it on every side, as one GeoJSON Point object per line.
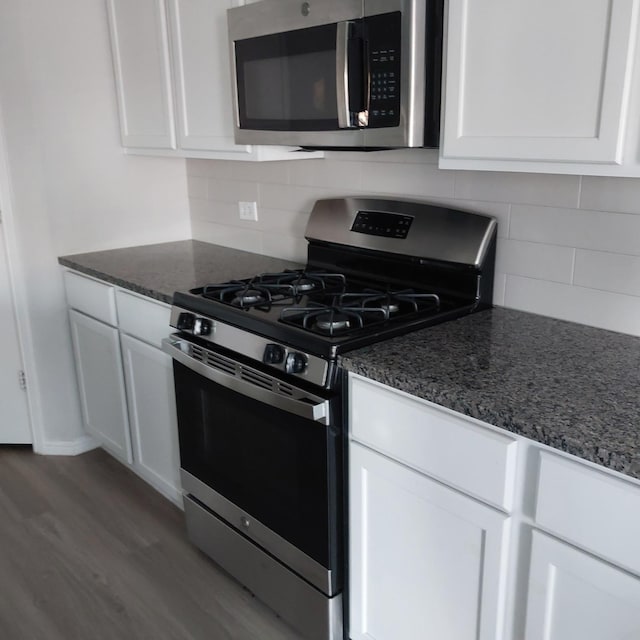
{"type": "Point", "coordinates": [303, 87]}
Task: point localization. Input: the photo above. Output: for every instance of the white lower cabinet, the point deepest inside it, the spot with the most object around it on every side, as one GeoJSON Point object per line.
{"type": "Point", "coordinates": [152, 415]}
{"type": "Point", "coordinates": [124, 378]}
{"type": "Point", "coordinates": [102, 393]}
{"type": "Point", "coordinates": [574, 595]}
{"type": "Point", "coordinates": [425, 560]}
{"type": "Point", "coordinates": [462, 531]}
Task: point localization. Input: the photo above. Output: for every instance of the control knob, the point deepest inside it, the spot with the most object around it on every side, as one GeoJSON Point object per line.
{"type": "Point", "coordinates": [273, 354]}
{"type": "Point", "coordinates": [296, 362]}
{"type": "Point", "coordinates": [202, 327]}
{"type": "Point", "coordinates": [185, 321]}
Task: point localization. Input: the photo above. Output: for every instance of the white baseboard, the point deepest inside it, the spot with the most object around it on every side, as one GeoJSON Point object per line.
{"type": "Point", "coordinates": [68, 447]}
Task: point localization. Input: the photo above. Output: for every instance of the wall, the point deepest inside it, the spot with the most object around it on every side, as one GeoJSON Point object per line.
{"type": "Point", "coordinates": [569, 246]}
{"type": "Point", "coordinates": [73, 189]}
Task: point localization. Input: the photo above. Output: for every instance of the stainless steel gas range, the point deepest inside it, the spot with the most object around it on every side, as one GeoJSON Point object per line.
{"type": "Point", "coordinates": [259, 390]}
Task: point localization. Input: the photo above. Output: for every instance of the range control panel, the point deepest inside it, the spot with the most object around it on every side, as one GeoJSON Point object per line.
{"type": "Point", "coordinates": [380, 223]}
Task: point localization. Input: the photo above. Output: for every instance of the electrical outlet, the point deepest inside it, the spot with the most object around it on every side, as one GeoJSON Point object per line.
{"type": "Point", "coordinates": [248, 211]}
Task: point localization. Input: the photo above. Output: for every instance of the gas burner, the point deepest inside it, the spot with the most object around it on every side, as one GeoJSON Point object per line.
{"type": "Point", "coordinates": [239, 293]}
{"type": "Point", "coordinates": [305, 285]}
{"type": "Point", "coordinates": [332, 322]}
{"type": "Point", "coordinates": [390, 302]}
{"type": "Point", "coordinates": [249, 297]}
{"type": "Point", "coordinates": [295, 284]}
{"type": "Point", "coordinates": [336, 319]}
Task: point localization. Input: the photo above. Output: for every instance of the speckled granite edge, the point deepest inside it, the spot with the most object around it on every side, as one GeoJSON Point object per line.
{"type": "Point", "coordinates": [119, 282]}
{"type": "Point", "coordinates": [571, 387]}
{"type": "Point", "coordinates": [568, 386]}
{"type": "Point", "coordinates": [158, 270]}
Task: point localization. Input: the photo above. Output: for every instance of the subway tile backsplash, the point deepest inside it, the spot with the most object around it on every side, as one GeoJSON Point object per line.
{"type": "Point", "coordinates": [568, 246]}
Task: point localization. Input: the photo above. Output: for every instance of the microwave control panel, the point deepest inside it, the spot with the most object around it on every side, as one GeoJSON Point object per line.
{"type": "Point", "coordinates": [384, 37]}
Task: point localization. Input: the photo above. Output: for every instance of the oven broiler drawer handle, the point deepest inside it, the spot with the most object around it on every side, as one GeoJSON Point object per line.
{"type": "Point", "coordinates": [308, 406]}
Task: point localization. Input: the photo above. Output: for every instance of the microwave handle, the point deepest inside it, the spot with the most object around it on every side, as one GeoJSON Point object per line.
{"type": "Point", "coordinates": [342, 74]}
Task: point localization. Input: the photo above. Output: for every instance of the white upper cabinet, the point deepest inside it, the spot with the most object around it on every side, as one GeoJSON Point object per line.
{"type": "Point", "coordinates": [540, 85]}
{"type": "Point", "coordinates": [173, 56]}
{"type": "Point", "coordinates": [198, 32]}
{"type": "Point", "coordinates": [143, 77]}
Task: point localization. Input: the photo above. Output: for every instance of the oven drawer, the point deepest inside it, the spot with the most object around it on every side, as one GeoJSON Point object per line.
{"type": "Point", "coordinates": [143, 318]}
{"type": "Point", "coordinates": [302, 606]}
{"type": "Point", "coordinates": [456, 450]}
{"type": "Point", "coordinates": [93, 298]}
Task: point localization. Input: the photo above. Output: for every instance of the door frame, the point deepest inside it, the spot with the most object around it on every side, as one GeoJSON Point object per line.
{"type": "Point", "coordinates": [18, 284]}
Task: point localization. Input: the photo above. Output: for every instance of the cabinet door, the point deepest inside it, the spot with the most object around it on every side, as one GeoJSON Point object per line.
{"type": "Point", "coordinates": [574, 595]}
{"type": "Point", "coordinates": [425, 561]}
{"type": "Point", "coordinates": [202, 72]}
{"type": "Point", "coordinates": [101, 383]}
{"type": "Point", "coordinates": [538, 80]}
{"type": "Point", "coordinates": [152, 411]}
{"type": "Point", "coordinates": [139, 41]}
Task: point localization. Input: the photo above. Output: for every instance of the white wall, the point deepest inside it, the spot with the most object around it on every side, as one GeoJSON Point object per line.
{"type": "Point", "coordinates": [73, 189]}
{"type": "Point", "coordinates": [568, 246]}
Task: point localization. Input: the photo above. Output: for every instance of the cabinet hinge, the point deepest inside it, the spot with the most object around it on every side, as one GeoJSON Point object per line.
{"type": "Point", "coordinates": [22, 380]}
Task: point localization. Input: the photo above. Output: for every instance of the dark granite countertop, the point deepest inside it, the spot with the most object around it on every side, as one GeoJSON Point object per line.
{"type": "Point", "coordinates": [569, 386]}
{"type": "Point", "coordinates": [572, 387]}
{"type": "Point", "coordinates": [157, 270]}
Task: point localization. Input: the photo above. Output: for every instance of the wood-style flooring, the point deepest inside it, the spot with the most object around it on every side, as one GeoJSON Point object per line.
{"type": "Point", "coordinates": [88, 551]}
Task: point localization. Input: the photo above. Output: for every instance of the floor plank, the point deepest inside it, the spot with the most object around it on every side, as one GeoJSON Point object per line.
{"type": "Point", "coordinates": [88, 551]}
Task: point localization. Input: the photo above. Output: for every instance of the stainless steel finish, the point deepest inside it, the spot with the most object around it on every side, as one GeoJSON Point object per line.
{"type": "Point", "coordinates": [342, 74]}
{"type": "Point", "coordinates": [252, 346]}
{"type": "Point", "coordinates": [301, 563]}
{"type": "Point", "coordinates": [410, 131]}
{"type": "Point", "coordinates": [246, 380]}
{"type": "Point", "coordinates": [436, 233]}
{"type": "Point", "coordinates": [277, 16]}
{"type": "Point", "coordinates": [313, 614]}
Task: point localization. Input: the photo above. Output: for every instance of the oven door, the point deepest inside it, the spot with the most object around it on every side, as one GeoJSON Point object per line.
{"type": "Point", "coordinates": [262, 455]}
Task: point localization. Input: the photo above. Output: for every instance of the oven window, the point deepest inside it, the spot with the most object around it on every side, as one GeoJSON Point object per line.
{"type": "Point", "coordinates": [287, 81]}
{"type": "Point", "coordinates": [272, 464]}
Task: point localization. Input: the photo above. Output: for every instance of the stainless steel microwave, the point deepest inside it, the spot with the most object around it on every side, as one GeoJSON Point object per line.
{"type": "Point", "coordinates": [334, 74]}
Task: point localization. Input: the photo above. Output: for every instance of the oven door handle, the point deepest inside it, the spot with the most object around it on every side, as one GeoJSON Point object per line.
{"type": "Point", "coordinates": [310, 407]}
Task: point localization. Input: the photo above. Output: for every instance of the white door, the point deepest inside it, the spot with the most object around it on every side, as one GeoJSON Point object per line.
{"type": "Point", "coordinates": [14, 415]}
{"type": "Point", "coordinates": [152, 412]}
{"type": "Point", "coordinates": [140, 47]}
{"type": "Point", "coordinates": [96, 349]}
{"type": "Point", "coordinates": [574, 595]}
{"type": "Point", "coordinates": [537, 80]}
{"type": "Point", "coordinates": [425, 561]}
{"type": "Point", "coordinates": [202, 74]}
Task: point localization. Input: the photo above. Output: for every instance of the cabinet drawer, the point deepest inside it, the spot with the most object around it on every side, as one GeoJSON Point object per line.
{"type": "Point", "coordinates": [456, 450]}
{"type": "Point", "coordinates": [94, 298]}
{"type": "Point", "coordinates": [590, 508]}
{"type": "Point", "coordinates": [143, 318]}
